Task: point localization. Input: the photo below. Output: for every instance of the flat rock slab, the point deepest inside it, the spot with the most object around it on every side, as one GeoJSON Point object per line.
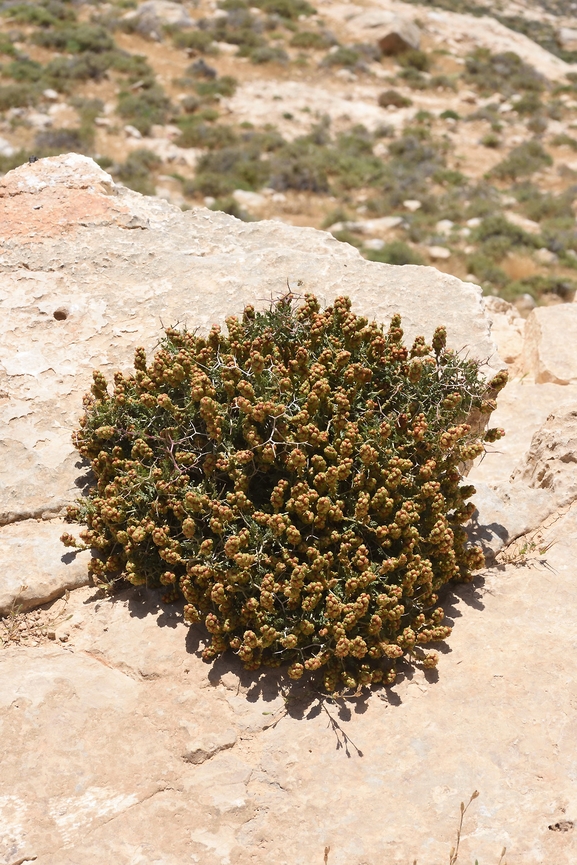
{"type": "Point", "coordinates": [35, 567]}
{"type": "Point", "coordinates": [97, 736]}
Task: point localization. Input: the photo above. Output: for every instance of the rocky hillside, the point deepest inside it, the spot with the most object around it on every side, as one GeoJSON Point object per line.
{"type": "Point", "coordinates": [441, 132]}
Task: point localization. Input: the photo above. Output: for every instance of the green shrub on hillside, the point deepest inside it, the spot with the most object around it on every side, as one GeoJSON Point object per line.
{"type": "Point", "coordinates": [522, 161]}
{"type": "Point", "coordinates": [312, 39]}
{"type": "Point", "coordinates": [145, 108]}
{"type": "Point", "coordinates": [298, 481]}
{"type": "Point", "coordinates": [393, 97]}
{"type": "Point", "coordinates": [502, 73]}
{"type": "Point", "coordinates": [135, 172]}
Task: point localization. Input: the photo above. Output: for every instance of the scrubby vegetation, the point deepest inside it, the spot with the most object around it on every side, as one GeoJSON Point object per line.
{"type": "Point", "coordinates": [506, 116]}
{"type": "Point", "coordinates": [297, 481]}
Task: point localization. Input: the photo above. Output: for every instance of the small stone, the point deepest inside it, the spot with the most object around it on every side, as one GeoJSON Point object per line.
{"type": "Point", "coordinates": [412, 204]}
{"type": "Point", "coordinates": [545, 256]}
{"type": "Point", "coordinates": [209, 745]}
{"type": "Point", "coordinates": [438, 252]}
{"type": "Point", "coordinates": [444, 226]}
{"type": "Point", "coordinates": [374, 243]}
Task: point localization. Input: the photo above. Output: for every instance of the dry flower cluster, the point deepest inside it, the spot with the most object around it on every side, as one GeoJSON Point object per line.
{"type": "Point", "coordinates": [298, 481]}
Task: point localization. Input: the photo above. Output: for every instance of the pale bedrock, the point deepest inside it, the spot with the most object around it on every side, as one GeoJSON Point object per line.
{"type": "Point", "coordinates": [95, 767]}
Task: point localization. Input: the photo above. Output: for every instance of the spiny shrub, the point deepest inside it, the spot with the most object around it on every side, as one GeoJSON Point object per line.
{"type": "Point", "coordinates": [297, 480]}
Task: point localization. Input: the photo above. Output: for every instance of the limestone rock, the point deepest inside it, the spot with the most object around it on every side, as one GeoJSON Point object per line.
{"type": "Point", "coordinates": [35, 567]}
{"type": "Point", "coordinates": [202, 749]}
{"type": "Point", "coordinates": [93, 772]}
{"type": "Point", "coordinates": [549, 352]}
{"type": "Point", "coordinates": [522, 409]}
{"type": "Point", "coordinates": [568, 38]}
{"type": "Point", "coordinates": [401, 35]}
{"type": "Point", "coordinates": [551, 463]}
{"type": "Point", "coordinates": [507, 328]}
{"type": "Point", "coordinates": [439, 253]}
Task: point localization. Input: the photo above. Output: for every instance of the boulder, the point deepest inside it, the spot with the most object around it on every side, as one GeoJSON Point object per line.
{"type": "Point", "coordinates": [550, 338]}
{"type": "Point", "coordinates": [400, 35]}
{"type": "Point", "coordinates": [150, 17]}
{"type": "Point", "coordinates": [568, 38]}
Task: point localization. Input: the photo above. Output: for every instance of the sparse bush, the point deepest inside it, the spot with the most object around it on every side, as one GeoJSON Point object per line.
{"type": "Point", "coordinates": [491, 139]}
{"type": "Point", "coordinates": [194, 40]}
{"type": "Point", "coordinates": [76, 39]}
{"type": "Point", "coordinates": [498, 236]}
{"type": "Point", "coordinates": [343, 56]}
{"type": "Point", "coordinates": [144, 109]}
{"type": "Point", "coordinates": [415, 59]}
{"type": "Point", "coordinates": [564, 139]}
{"type": "Point", "coordinates": [24, 70]}
{"type": "Point", "coordinates": [221, 172]}
{"type": "Point", "coordinates": [484, 200]}
{"type": "Point", "coordinates": [269, 54]}
{"type": "Point", "coordinates": [312, 39]}
{"type": "Point", "coordinates": [449, 177]}
{"type": "Point", "coordinates": [539, 205]}
{"type": "Point", "coordinates": [6, 46]}
{"type": "Point", "coordinates": [17, 96]}
{"type": "Point", "coordinates": [61, 72]}
{"type": "Point", "coordinates": [395, 252]}
{"type": "Point", "coordinates": [522, 161]}
{"type": "Point", "coordinates": [449, 114]}
{"type": "Point", "coordinates": [485, 269]}
{"type": "Point", "coordinates": [225, 86]}
{"type": "Point", "coordinates": [51, 142]}
{"type": "Point", "coordinates": [316, 510]}
{"type": "Point", "coordinates": [135, 171]}
{"type": "Point", "coordinates": [33, 13]}
{"type": "Point", "coordinates": [502, 73]}
{"type": "Point", "coordinates": [196, 133]}
{"type": "Point", "coordinates": [529, 104]}
{"type": "Point", "coordinates": [134, 66]}
{"type": "Point", "coordinates": [442, 82]}
{"type": "Point", "coordinates": [240, 28]}
{"type": "Point", "coordinates": [538, 285]}
{"type": "Point", "coordinates": [415, 79]}
{"type": "Point", "coordinates": [301, 165]}
{"type": "Point", "coordinates": [289, 9]}
{"type": "Point", "coordinates": [190, 104]}
{"type": "Point", "coordinates": [393, 97]}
